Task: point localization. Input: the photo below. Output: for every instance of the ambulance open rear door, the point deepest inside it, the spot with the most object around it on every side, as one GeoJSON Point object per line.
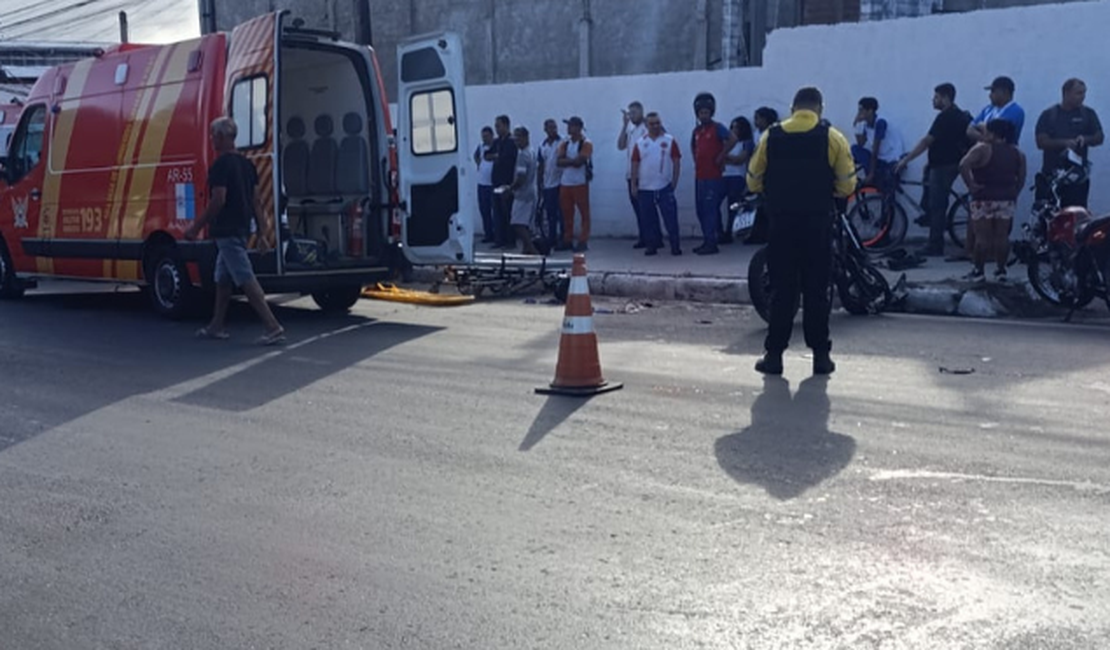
{"type": "Point", "coordinates": [436, 184]}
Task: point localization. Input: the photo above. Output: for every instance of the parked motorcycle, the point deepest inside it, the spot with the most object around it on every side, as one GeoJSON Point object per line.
{"type": "Point", "coordinates": [861, 286]}
{"type": "Point", "coordinates": [745, 210]}
{"type": "Point", "coordinates": [1079, 245]}
{"type": "Point", "coordinates": [1048, 263]}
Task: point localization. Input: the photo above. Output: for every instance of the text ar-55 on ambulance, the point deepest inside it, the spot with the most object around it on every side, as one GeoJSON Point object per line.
{"type": "Point", "coordinates": [108, 163]}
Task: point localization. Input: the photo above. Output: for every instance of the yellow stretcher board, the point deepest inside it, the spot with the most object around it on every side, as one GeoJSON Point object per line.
{"type": "Point", "coordinates": [386, 291]}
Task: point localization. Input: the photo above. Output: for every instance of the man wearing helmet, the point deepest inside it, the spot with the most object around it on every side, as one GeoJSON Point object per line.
{"type": "Point", "coordinates": [710, 143]}
{"type": "Point", "coordinates": [800, 165]}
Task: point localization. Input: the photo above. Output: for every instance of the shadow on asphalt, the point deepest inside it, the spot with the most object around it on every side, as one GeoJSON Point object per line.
{"type": "Point", "coordinates": [68, 355]}
{"type": "Point", "coordinates": [788, 448]}
{"type": "Point", "coordinates": [555, 411]}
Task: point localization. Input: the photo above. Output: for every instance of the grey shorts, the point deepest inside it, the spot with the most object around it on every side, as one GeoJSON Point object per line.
{"type": "Point", "coordinates": [524, 211]}
{"type": "Point", "coordinates": [233, 266]}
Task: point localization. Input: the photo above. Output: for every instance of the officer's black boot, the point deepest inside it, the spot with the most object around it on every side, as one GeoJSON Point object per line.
{"type": "Point", "coordinates": [823, 363]}
{"type": "Point", "coordinates": [770, 364]}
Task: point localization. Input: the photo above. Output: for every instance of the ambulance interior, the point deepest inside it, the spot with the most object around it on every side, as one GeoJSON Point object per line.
{"type": "Point", "coordinates": [331, 173]}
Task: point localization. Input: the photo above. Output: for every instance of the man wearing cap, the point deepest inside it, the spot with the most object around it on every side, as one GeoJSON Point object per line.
{"type": "Point", "coordinates": [574, 191]}
{"type": "Point", "coordinates": [1068, 128]}
{"type": "Point", "coordinates": [632, 130]}
{"type": "Point", "coordinates": [1002, 107]}
{"type": "Point", "coordinates": [801, 165]}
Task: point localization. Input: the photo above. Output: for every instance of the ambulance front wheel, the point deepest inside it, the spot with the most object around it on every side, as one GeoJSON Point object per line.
{"type": "Point", "coordinates": [337, 300]}
{"type": "Point", "coordinates": [10, 286]}
{"type": "Point", "coordinates": [171, 291]}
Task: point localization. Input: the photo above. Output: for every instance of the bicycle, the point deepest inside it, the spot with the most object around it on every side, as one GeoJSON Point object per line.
{"type": "Point", "coordinates": [882, 223]}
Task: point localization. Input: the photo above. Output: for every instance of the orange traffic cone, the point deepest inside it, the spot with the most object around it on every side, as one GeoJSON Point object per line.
{"type": "Point", "coordinates": [579, 369]}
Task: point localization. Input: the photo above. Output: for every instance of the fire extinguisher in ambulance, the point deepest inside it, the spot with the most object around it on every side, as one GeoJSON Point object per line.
{"type": "Point", "coordinates": [355, 245]}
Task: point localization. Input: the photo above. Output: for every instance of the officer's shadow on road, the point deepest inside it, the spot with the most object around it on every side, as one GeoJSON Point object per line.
{"type": "Point", "coordinates": [788, 448]}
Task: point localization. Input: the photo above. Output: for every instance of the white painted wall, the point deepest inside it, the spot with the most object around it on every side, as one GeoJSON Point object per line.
{"type": "Point", "coordinates": [899, 62]}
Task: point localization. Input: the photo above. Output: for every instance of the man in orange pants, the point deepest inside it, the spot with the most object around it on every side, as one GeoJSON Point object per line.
{"type": "Point", "coordinates": [574, 159]}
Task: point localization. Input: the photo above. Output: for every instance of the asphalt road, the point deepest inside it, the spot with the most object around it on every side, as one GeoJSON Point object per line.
{"type": "Point", "coordinates": [389, 480]}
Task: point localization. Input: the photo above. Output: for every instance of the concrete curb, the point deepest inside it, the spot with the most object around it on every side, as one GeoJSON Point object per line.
{"type": "Point", "coordinates": [947, 298]}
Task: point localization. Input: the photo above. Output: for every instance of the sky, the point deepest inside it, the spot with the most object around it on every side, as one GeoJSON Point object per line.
{"type": "Point", "coordinates": [149, 21]}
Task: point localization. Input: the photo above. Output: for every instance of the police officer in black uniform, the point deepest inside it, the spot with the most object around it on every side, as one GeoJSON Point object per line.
{"type": "Point", "coordinates": [801, 165]}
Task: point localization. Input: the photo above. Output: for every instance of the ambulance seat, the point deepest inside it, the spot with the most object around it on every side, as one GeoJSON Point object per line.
{"type": "Point", "coordinates": [353, 168]}
{"type": "Point", "coordinates": [295, 159]}
{"type": "Point", "coordinates": [322, 161]}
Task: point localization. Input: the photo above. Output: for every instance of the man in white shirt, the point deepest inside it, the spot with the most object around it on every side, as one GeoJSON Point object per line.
{"type": "Point", "coordinates": [886, 149]}
{"type": "Point", "coordinates": [656, 165]}
{"type": "Point", "coordinates": [632, 131]}
{"type": "Point", "coordinates": [485, 184]}
{"type": "Point", "coordinates": [551, 176]}
{"type": "Point", "coordinates": [574, 191]}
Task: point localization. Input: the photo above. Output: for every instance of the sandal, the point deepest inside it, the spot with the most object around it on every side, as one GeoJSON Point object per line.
{"type": "Point", "coordinates": [205, 333]}
{"type": "Point", "coordinates": [272, 338]}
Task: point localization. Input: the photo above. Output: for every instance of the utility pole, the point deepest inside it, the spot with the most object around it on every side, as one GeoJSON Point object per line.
{"type": "Point", "coordinates": [123, 33]}
{"type": "Point", "coordinates": [759, 29]}
{"type": "Point", "coordinates": [207, 16]}
{"type": "Point", "coordinates": [701, 36]}
{"type": "Point", "coordinates": [491, 40]}
{"type": "Point", "coordinates": [585, 27]}
{"type": "Point", "coordinates": [364, 28]}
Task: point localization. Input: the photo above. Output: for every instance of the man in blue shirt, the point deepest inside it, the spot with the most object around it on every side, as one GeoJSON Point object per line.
{"type": "Point", "coordinates": [1002, 107]}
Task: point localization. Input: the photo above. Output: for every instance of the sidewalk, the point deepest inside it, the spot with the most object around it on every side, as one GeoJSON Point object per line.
{"type": "Point", "coordinates": [617, 270]}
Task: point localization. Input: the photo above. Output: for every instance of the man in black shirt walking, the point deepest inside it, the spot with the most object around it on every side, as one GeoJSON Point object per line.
{"type": "Point", "coordinates": [1068, 127]}
{"type": "Point", "coordinates": [947, 143]}
{"type": "Point", "coordinates": [232, 204]}
{"type": "Point", "coordinates": [503, 155]}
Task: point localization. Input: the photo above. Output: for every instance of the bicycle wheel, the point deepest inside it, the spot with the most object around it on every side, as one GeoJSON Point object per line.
{"type": "Point", "coordinates": [959, 214]}
{"type": "Point", "coordinates": [878, 232]}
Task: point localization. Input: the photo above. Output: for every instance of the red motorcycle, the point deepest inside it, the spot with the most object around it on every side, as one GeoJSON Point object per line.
{"type": "Point", "coordinates": [1048, 263]}
{"type": "Point", "coordinates": [1080, 244]}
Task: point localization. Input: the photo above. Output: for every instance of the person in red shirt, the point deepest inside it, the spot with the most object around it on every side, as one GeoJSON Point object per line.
{"type": "Point", "coordinates": [710, 143]}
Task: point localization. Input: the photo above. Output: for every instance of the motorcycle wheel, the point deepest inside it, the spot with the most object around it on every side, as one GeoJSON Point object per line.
{"type": "Point", "coordinates": [864, 291]}
{"type": "Point", "coordinates": [1047, 277]}
{"type": "Point", "coordinates": [759, 285]}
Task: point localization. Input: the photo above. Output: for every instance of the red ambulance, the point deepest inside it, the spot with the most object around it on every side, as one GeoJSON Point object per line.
{"type": "Point", "coordinates": [107, 164]}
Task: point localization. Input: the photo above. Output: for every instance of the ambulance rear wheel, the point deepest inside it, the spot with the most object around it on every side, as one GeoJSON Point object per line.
{"type": "Point", "coordinates": [337, 300]}
{"type": "Point", "coordinates": [168, 284]}
{"type": "Point", "coordinates": [10, 287]}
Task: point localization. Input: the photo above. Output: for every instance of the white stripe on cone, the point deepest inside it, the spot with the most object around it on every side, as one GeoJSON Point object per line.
{"type": "Point", "coordinates": [579, 286]}
{"type": "Point", "coordinates": [578, 325]}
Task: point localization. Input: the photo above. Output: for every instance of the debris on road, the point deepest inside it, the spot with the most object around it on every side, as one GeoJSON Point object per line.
{"type": "Point", "coordinates": [956, 371]}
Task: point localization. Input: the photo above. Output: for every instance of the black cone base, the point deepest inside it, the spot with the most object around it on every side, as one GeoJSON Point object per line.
{"type": "Point", "coordinates": [580, 391]}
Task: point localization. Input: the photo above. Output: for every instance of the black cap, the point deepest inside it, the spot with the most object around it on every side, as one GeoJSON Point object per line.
{"type": "Point", "coordinates": [576, 121]}
{"type": "Point", "coordinates": [1005, 83]}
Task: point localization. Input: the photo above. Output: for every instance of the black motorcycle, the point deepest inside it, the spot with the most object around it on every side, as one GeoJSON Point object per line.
{"type": "Point", "coordinates": [862, 288]}
{"type": "Point", "coordinates": [1049, 262]}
